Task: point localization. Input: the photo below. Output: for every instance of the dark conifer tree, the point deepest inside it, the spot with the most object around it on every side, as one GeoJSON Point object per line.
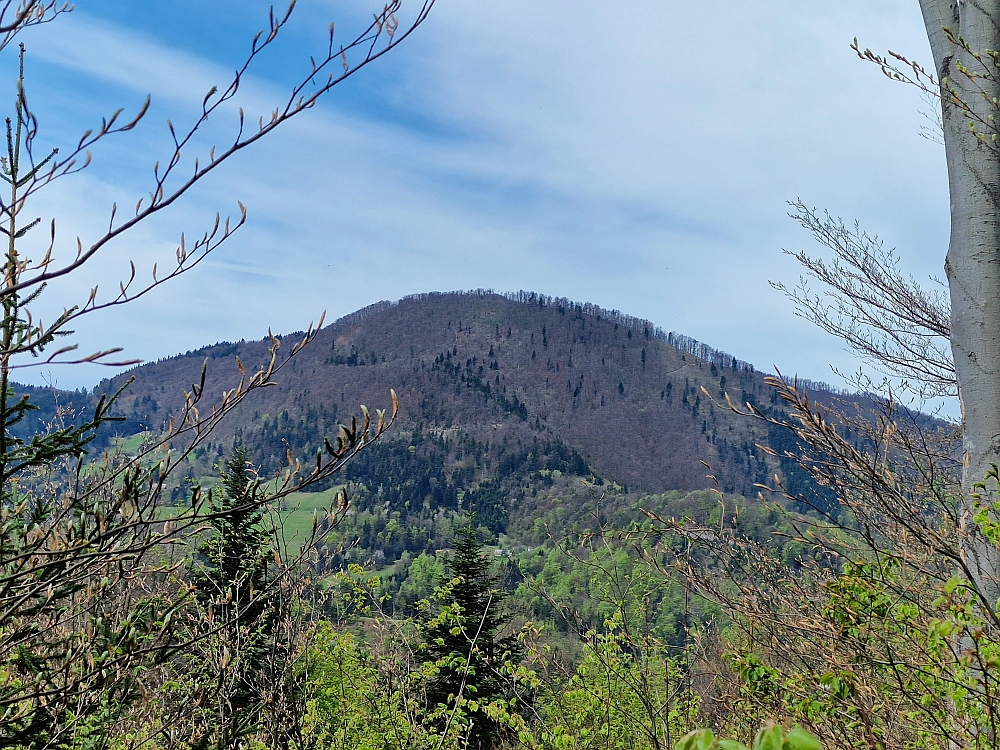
{"type": "Point", "coordinates": [464, 637]}
{"type": "Point", "coordinates": [232, 581]}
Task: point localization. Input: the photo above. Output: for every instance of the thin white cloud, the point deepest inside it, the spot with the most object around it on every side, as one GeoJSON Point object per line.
{"type": "Point", "coordinates": [116, 55]}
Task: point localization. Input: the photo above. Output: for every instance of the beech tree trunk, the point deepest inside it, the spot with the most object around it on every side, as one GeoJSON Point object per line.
{"type": "Point", "coordinates": [973, 261]}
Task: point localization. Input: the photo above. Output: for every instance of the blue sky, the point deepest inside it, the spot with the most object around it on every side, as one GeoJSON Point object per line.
{"type": "Point", "coordinates": [634, 155]}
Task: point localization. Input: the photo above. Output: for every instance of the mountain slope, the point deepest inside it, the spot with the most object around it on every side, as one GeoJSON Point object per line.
{"type": "Point", "coordinates": [496, 372]}
{"type": "Point", "coordinates": [544, 417]}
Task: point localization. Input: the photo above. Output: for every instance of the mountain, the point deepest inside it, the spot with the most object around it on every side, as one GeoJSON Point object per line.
{"type": "Point", "coordinates": [499, 370]}
{"type": "Point", "coordinates": [526, 408]}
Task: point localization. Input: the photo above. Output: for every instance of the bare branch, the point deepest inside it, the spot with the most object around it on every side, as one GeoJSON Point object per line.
{"type": "Point", "coordinates": [882, 314]}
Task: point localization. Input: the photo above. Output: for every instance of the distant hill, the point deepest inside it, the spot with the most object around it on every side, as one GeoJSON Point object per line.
{"type": "Point", "coordinates": [500, 370]}
{"type": "Point", "coordinates": [511, 404]}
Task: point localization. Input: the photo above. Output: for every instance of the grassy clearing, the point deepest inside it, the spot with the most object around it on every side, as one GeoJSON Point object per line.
{"type": "Point", "coordinates": [131, 445]}
{"type": "Point", "coordinates": [296, 515]}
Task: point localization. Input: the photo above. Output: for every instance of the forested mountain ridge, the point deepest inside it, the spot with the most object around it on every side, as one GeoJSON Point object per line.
{"type": "Point", "coordinates": [544, 417]}
{"type": "Point", "coordinates": [537, 413]}
{"type": "Point", "coordinates": [498, 371]}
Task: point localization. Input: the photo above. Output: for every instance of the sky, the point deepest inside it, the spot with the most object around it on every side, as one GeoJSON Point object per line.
{"type": "Point", "coordinates": [639, 156]}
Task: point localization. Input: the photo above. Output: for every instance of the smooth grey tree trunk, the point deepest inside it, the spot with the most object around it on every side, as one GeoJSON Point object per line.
{"type": "Point", "coordinates": [973, 260]}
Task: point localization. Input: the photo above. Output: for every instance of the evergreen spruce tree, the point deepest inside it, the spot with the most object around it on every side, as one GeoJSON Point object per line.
{"type": "Point", "coordinates": [463, 638]}
{"type": "Point", "coordinates": [232, 582]}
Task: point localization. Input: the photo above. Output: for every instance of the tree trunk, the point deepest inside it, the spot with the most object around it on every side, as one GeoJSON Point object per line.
{"type": "Point", "coordinates": [973, 260]}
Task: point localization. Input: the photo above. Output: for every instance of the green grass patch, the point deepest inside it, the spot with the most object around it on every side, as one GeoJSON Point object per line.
{"type": "Point", "coordinates": [297, 513]}
{"type": "Point", "coordinates": [131, 445]}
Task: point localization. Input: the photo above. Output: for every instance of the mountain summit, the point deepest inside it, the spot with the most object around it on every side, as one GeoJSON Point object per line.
{"type": "Point", "coordinates": [502, 371]}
